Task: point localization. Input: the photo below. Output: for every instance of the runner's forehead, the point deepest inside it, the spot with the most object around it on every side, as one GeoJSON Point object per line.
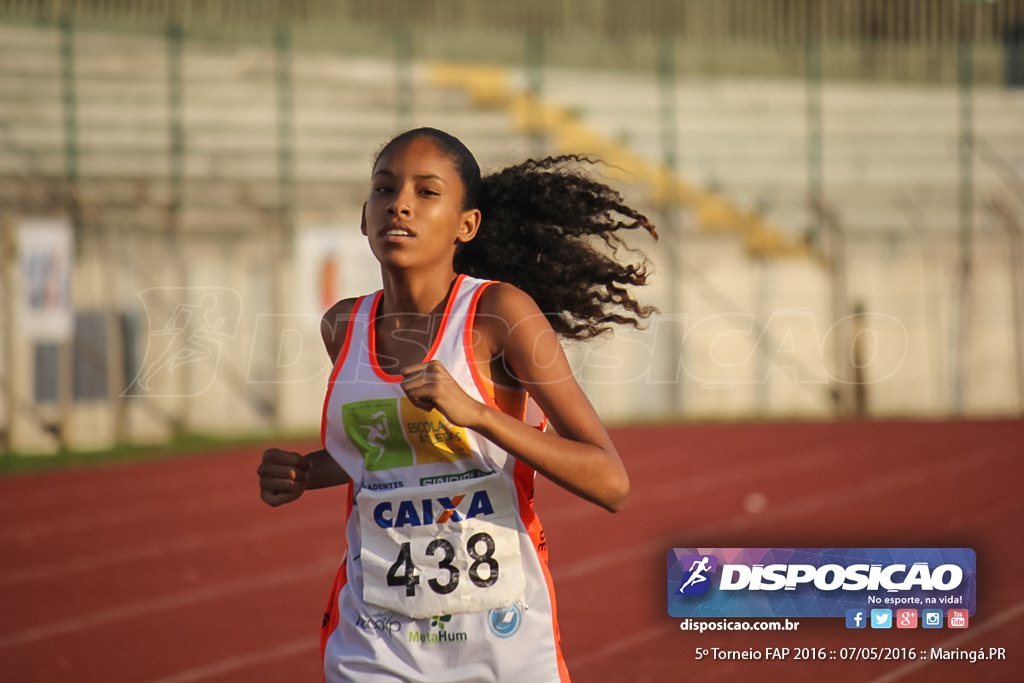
{"type": "Point", "coordinates": [420, 157]}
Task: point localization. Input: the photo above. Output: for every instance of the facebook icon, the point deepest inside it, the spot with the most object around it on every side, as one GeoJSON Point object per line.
{"type": "Point", "coordinates": [856, 618]}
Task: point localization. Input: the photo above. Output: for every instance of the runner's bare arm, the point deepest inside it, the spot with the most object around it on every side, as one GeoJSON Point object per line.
{"type": "Point", "coordinates": [286, 475]}
{"type": "Point", "coordinates": [579, 455]}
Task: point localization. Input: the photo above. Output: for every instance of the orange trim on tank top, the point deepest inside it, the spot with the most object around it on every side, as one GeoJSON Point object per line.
{"type": "Point", "coordinates": [509, 400]}
{"type": "Point", "coordinates": [372, 331]}
{"type": "Point", "coordinates": [524, 478]}
{"type": "Point", "coordinates": [337, 367]}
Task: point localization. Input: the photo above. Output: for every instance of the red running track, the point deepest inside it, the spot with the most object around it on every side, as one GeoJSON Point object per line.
{"type": "Point", "coordinates": [174, 572]}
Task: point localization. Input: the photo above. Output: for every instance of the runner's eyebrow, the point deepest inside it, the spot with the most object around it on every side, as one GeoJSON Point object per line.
{"type": "Point", "coordinates": [422, 176]}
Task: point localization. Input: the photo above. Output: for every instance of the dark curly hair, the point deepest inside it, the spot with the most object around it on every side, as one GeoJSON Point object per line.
{"type": "Point", "coordinates": [552, 231]}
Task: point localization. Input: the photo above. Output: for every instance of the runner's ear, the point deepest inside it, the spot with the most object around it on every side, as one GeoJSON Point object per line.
{"type": "Point", "coordinates": [469, 225]}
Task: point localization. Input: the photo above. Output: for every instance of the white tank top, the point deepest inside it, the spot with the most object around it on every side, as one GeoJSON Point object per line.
{"type": "Point", "coordinates": [445, 577]}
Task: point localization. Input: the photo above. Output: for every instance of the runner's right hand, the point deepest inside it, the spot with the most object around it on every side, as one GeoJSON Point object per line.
{"type": "Point", "coordinates": [282, 476]}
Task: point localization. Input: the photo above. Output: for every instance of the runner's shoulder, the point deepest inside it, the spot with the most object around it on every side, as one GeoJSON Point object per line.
{"type": "Point", "coordinates": [334, 326]}
{"type": "Point", "coordinates": [507, 302]}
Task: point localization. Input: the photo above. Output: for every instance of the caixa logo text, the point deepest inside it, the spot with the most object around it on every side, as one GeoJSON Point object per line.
{"type": "Point", "coordinates": [424, 511]}
{"type": "Point", "coordinates": [830, 577]}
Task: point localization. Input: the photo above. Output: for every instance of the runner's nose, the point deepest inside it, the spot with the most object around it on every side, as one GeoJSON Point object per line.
{"type": "Point", "coordinates": [399, 205]}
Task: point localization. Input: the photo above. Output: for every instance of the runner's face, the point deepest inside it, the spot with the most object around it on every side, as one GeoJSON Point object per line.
{"type": "Point", "coordinates": [414, 212]}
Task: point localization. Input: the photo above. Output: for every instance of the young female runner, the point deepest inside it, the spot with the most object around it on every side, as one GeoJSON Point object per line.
{"type": "Point", "coordinates": [436, 409]}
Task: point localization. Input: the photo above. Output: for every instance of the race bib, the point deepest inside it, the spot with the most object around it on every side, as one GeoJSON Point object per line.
{"type": "Point", "coordinates": [443, 549]}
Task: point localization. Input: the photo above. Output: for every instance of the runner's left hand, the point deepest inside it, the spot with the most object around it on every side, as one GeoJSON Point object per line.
{"type": "Point", "coordinates": [430, 385]}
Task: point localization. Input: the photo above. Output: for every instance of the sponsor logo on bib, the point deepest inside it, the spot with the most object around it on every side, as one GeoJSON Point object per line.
{"type": "Point", "coordinates": [504, 622]}
{"type": "Point", "coordinates": [426, 511]}
{"type": "Point", "coordinates": [437, 634]}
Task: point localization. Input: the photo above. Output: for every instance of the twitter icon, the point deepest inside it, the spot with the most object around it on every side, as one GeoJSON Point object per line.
{"type": "Point", "coordinates": [881, 618]}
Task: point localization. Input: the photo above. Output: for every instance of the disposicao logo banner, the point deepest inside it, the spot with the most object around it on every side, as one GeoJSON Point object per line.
{"type": "Point", "coordinates": [817, 582]}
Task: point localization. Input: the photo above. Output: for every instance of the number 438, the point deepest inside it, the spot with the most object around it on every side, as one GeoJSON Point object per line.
{"type": "Point", "coordinates": [404, 571]}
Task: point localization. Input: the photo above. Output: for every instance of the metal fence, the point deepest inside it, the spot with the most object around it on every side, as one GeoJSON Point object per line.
{"type": "Point", "coordinates": [768, 20]}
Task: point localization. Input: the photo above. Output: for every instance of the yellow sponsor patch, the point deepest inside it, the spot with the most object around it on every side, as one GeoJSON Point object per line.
{"type": "Point", "coordinates": [431, 436]}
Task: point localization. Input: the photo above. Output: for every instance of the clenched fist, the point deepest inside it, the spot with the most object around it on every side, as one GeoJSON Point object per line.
{"type": "Point", "coordinates": [283, 476]}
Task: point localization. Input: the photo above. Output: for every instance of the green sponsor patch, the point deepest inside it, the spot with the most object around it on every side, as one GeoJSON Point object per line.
{"type": "Point", "coordinates": [375, 428]}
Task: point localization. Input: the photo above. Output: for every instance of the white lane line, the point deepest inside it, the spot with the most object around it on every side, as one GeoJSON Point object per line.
{"type": "Point", "coordinates": [245, 661]}
{"type": "Point", "coordinates": [971, 632]}
{"type": "Point", "coordinates": [163, 548]}
{"type": "Point", "coordinates": [138, 608]}
{"type": "Point", "coordinates": [84, 518]}
{"type": "Point", "coordinates": [670, 488]}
